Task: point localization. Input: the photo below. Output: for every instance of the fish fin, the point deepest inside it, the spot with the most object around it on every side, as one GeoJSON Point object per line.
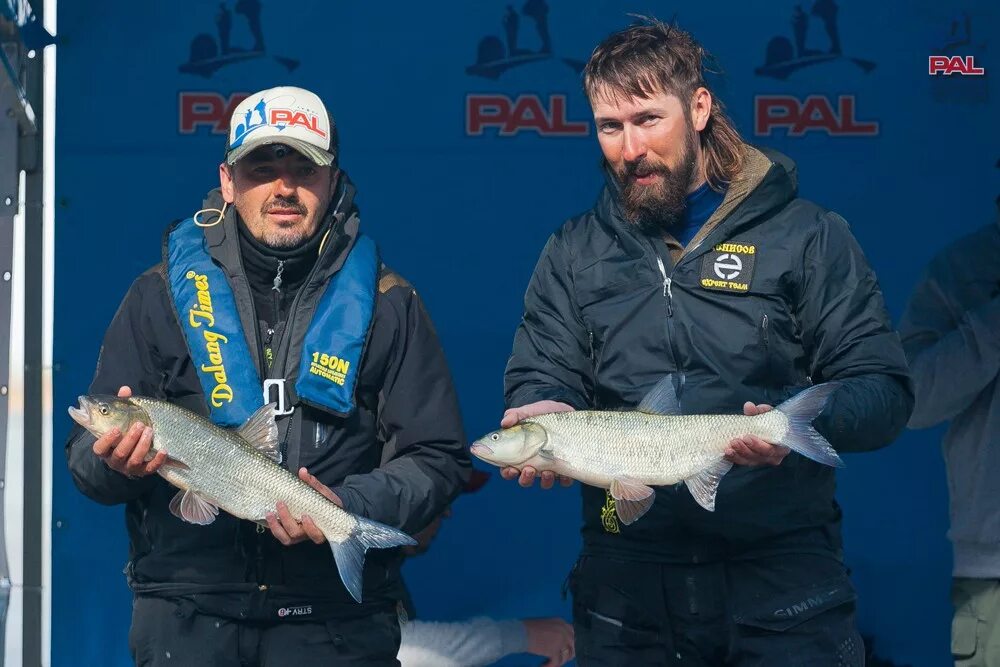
{"type": "Point", "coordinates": [189, 506]}
{"type": "Point", "coordinates": [175, 463]}
{"type": "Point", "coordinates": [662, 398]}
{"type": "Point", "coordinates": [801, 437]}
{"type": "Point", "coordinates": [261, 431]}
{"type": "Point", "coordinates": [350, 554]}
{"type": "Point", "coordinates": [705, 484]}
{"type": "Point", "coordinates": [547, 454]}
{"type": "Point", "coordinates": [632, 499]}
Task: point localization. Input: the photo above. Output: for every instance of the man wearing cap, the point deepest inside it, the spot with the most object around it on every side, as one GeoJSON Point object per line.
{"type": "Point", "coordinates": [270, 293]}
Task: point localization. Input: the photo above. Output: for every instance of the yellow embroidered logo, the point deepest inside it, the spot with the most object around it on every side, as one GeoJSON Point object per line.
{"type": "Point", "coordinates": [201, 313]}
{"type": "Point", "coordinates": [729, 267]}
{"type": "Point", "coordinates": [609, 516]}
{"type": "Point", "coordinates": [331, 367]}
{"type": "Point", "coordinates": [736, 247]}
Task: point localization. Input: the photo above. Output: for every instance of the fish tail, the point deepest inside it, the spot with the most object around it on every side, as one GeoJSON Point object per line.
{"type": "Point", "coordinates": [801, 437]}
{"type": "Point", "coordinates": [350, 554]}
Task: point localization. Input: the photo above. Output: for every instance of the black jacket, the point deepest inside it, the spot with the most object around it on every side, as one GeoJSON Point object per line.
{"type": "Point", "coordinates": [398, 458]}
{"type": "Point", "coordinates": [799, 305]}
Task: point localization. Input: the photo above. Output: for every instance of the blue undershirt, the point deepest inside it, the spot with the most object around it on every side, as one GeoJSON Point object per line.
{"type": "Point", "coordinates": [701, 204]}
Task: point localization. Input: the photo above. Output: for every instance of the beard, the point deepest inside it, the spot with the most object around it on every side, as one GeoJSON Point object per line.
{"type": "Point", "coordinates": [658, 207]}
{"type": "Point", "coordinates": [288, 238]}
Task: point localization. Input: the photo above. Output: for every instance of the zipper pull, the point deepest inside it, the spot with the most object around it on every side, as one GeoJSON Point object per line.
{"type": "Point", "coordinates": [663, 272]}
{"type": "Point", "coordinates": [666, 286]}
{"type": "Point", "coordinates": [277, 278]}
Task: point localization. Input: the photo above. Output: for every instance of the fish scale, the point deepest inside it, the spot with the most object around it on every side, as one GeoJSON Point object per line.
{"type": "Point", "coordinates": [654, 449]}
{"type": "Point", "coordinates": [217, 468]}
{"type": "Point", "coordinates": [630, 452]}
{"type": "Point", "coordinates": [220, 461]}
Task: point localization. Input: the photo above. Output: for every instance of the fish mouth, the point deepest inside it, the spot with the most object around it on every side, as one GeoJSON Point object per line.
{"type": "Point", "coordinates": [81, 415]}
{"type": "Point", "coordinates": [481, 450]}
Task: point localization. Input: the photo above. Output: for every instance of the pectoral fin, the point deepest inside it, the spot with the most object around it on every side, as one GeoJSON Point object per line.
{"type": "Point", "coordinates": [175, 463]}
{"type": "Point", "coordinates": [662, 398]}
{"type": "Point", "coordinates": [189, 506]}
{"type": "Point", "coordinates": [261, 431]}
{"type": "Point", "coordinates": [705, 484]}
{"type": "Point", "coordinates": [632, 499]}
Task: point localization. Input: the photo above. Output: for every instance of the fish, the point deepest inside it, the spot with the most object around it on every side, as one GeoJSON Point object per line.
{"type": "Point", "coordinates": [238, 471]}
{"type": "Point", "coordinates": [628, 452]}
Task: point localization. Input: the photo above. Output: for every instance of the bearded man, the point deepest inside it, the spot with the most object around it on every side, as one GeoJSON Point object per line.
{"type": "Point", "coordinates": [699, 259]}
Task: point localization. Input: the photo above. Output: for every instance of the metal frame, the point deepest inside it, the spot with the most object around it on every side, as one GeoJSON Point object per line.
{"type": "Point", "coordinates": [21, 150]}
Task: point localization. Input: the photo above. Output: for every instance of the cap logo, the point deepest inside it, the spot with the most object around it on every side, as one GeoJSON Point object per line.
{"type": "Point", "coordinates": [282, 117]}
{"type": "Point", "coordinates": [260, 116]}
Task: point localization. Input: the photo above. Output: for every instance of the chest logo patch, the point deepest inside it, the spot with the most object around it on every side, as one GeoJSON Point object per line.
{"type": "Point", "coordinates": [729, 267]}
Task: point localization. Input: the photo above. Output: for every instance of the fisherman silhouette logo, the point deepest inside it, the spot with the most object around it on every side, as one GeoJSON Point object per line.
{"type": "Point", "coordinates": [208, 55]}
{"type": "Point", "coordinates": [505, 115]}
{"type": "Point", "coordinates": [782, 58]}
{"type": "Point", "coordinates": [495, 56]}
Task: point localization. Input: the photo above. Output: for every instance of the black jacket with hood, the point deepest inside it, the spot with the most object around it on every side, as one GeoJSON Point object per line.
{"type": "Point", "coordinates": [399, 457]}
{"type": "Point", "coordinates": [609, 312]}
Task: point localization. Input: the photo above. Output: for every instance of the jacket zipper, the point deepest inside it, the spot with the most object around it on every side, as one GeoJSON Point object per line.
{"type": "Point", "coordinates": [667, 281]}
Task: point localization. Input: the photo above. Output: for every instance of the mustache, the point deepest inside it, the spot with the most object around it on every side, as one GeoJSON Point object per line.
{"type": "Point", "coordinates": [286, 204]}
{"type": "Point", "coordinates": [640, 169]}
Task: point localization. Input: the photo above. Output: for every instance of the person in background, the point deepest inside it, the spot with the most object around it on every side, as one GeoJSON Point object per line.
{"type": "Point", "coordinates": [951, 334]}
{"type": "Point", "coordinates": [480, 640]}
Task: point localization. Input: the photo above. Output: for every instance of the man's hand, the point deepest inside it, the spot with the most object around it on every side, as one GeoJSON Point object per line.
{"type": "Point", "coordinates": [287, 530]}
{"type": "Point", "coordinates": [751, 450]}
{"type": "Point", "coordinates": [515, 415]}
{"type": "Point", "coordinates": [126, 453]}
{"type": "Point", "coordinates": [552, 638]}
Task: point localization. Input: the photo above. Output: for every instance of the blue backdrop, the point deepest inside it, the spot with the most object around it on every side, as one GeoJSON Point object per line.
{"type": "Point", "coordinates": [466, 158]}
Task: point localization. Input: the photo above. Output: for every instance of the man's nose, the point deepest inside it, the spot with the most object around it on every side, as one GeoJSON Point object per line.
{"type": "Point", "coordinates": [633, 146]}
{"type": "Point", "coordinates": [284, 185]}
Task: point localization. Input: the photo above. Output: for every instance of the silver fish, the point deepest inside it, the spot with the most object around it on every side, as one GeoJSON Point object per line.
{"type": "Point", "coordinates": [655, 445]}
{"type": "Point", "coordinates": [238, 471]}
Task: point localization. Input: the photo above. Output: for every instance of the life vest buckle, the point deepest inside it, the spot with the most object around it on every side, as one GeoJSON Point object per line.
{"type": "Point", "coordinates": [282, 407]}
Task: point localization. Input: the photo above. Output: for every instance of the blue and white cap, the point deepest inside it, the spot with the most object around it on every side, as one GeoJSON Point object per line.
{"type": "Point", "coordinates": [285, 115]}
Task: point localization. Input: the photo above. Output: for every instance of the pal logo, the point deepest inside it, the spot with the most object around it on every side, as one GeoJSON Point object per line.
{"type": "Point", "coordinates": [814, 41]}
{"type": "Point", "coordinates": [238, 38]}
{"type": "Point", "coordinates": [956, 65]}
{"type": "Point", "coordinates": [526, 42]}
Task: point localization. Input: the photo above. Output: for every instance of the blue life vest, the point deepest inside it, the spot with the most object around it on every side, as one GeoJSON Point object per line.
{"type": "Point", "coordinates": [328, 369]}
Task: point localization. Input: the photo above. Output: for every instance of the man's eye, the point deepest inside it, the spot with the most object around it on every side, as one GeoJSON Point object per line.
{"type": "Point", "coordinates": [608, 128]}
{"type": "Point", "coordinates": [307, 172]}
{"type": "Point", "coordinates": [648, 120]}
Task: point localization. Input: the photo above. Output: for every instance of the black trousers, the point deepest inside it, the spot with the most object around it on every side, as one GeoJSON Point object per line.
{"type": "Point", "coordinates": [168, 633]}
{"type": "Point", "coordinates": [789, 610]}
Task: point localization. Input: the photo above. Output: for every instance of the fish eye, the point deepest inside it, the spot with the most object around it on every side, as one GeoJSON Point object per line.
{"type": "Point", "coordinates": [103, 408]}
{"type": "Point", "coordinates": [494, 437]}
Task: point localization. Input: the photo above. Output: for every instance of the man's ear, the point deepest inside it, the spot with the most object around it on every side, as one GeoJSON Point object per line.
{"type": "Point", "coordinates": [226, 183]}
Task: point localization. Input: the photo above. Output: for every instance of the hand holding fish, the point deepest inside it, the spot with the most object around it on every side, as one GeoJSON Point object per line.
{"type": "Point", "coordinates": [287, 530]}
{"type": "Point", "coordinates": [526, 476]}
{"type": "Point", "coordinates": [750, 450]}
{"type": "Point", "coordinates": [126, 453]}
{"type": "Point", "coordinates": [630, 452]}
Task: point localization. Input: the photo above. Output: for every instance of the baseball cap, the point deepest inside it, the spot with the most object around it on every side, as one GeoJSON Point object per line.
{"type": "Point", "coordinates": [285, 115]}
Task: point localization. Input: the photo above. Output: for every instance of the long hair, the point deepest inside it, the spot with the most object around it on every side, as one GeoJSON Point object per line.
{"type": "Point", "coordinates": [651, 58]}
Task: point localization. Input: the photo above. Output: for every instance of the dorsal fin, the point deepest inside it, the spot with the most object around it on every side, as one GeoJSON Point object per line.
{"type": "Point", "coordinates": [662, 398]}
{"type": "Point", "coordinates": [261, 431]}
